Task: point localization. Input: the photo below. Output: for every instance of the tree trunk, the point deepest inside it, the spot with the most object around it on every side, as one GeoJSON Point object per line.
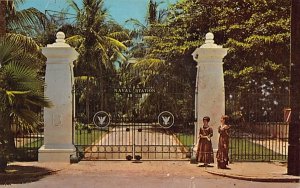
{"type": "Point", "coordinates": [294, 126]}
{"type": "Point", "coordinates": [2, 17]}
{"type": "Point", "coordinates": [7, 144]}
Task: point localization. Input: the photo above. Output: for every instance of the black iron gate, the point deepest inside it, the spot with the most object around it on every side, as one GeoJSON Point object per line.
{"type": "Point", "coordinates": [259, 129]}
{"type": "Point", "coordinates": [137, 114]}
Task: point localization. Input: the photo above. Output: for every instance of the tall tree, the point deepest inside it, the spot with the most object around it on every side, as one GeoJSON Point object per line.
{"type": "Point", "coordinates": [21, 92]}
{"type": "Point", "coordinates": [162, 67]}
{"type": "Point", "coordinates": [155, 16]}
{"type": "Point", "coordinates": [2, 17]}
{"type": "Point", "coordinates": [21, 21]}
{"type": "Point", "coordinates": [253, 31]}
{"type": "Point", "coordinates": [294, 126]}
{"type": "Point", "coordinates": [100, 43]}
{"type": "Point", "coordinates": [21, 83]}
{"type": "Point", "coordinates": [258, 35]}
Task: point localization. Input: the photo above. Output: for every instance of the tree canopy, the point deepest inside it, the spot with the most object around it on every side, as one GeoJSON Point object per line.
{"type": "Point", "coordinates": [257, 33]}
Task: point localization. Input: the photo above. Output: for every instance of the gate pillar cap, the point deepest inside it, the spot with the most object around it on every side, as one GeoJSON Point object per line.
{"type": "Point", "coordinates": [60, 40]}
{"type": "Point", "coordinates": [209, 41]}
{"type": "Point", "coordinates": [59, 50]}
{"type": "Point", "coordinates": [209, 50]}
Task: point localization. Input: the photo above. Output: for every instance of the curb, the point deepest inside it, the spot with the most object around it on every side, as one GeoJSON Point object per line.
{"type": "Point", "coordinates": [257, 179]}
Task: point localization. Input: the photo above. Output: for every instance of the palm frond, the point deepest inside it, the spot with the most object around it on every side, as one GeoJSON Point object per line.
{"type": "Point", "coordinates": [11, 95]}
{"type": "Point", "coordinates": [153, 64]}
{"type": "Point", "coordinates": [38, 100]}
{"type": "Point", "coordinates": [114, 42]}
{"type": "Point", "coordinates": [21, 19]}
{"type": "Point", "coordinates": [120, 35]}
{"type": "Point", "coordinates": [136, 23]}
{"type": "Point", "coordinates": [73, 5]}
{"type": "Point", "coordinates": [84, 79]}
{"type": "Point", "coordinates": [81, 79]}
{"type": "Point", "coordinates": [103, 55]}
{"type": "Point", "coordinates": [31, 60]}
{"type": "Point", "coordinates": [24, 42]}
{"type": "Point", "coordinates": [15, 3]}
{"type": "Point", "coordinates": [75, 40]}
{"type": "Point", "coordinates": [6, 48]}
{"type": "Point", "coordinates": [21, 77]}
{"type": "Point", "coordinates": [19, 48]}
{"type": "Point", "coordinates": [118, 56]}
{"type": "Point", "coordinates": [27, 116]}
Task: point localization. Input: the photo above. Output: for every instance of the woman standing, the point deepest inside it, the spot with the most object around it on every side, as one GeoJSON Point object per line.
{"type": "Point", "coordinates": [205, 151]}
{"type": "Point", "coordinates": [223, 146]}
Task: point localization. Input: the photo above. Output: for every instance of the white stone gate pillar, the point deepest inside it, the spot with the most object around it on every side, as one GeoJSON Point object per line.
{"type": "Point", "coordinates": [58, 145]}
{"type": "Point", "coordinates": [210, 92]}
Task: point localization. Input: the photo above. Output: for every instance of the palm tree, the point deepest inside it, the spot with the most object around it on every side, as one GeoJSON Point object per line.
{"type": "Point", "coordinates": [100, 43]}
{"type": "Point", "coordinates": [97, 43]}
{"type": "Point", "coordinates": [21, 92]}
{"type": "Point", "coordinates": [21, 63]}
{"type": "Point", "coordinates": [2, 18]}
{"type": "Point", "coordinates": [21, 21]}
{"type": "Point", "coordinates": [154, 20]}
{"type": "Point", "coordinates": [173, 91]}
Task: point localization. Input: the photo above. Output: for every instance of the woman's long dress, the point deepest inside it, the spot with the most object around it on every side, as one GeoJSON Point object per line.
{"type": "Point", "coordinates": [205, 151]}
{"type": "Point", "coordinates": [223, 147]}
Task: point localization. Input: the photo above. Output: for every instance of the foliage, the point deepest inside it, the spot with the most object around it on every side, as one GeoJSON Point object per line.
{"type": "Point", "coordinates": [99, 40]}
{"type": "Point", "coordinates": [252, 30]}
{"type": "Point", "coordinates": [25, 21]}
{"type": "Point", "coordinates": [101, 46]}
{"type": "Point", "coordinates": [21, 68]}
{"type": "Point", "coordinates": [163, 65]}
{"type": "Point", "coordinates": [256, 33]}
{"type": "Point", "coordinates": [21, 89]}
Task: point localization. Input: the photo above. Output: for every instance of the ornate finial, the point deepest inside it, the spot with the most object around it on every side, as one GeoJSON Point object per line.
{"type": "Point", "coordinates": [60, 37]}
{"type": "Point", "coordinates": [209, 41]}
{"type": "Point", "coordinates": [209, 38]}
{"type": "Point", "coordinates": [60, 40]}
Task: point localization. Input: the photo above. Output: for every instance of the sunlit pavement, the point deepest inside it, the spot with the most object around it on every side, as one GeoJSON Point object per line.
{"type": "Point", "coordinates": [156, 174]}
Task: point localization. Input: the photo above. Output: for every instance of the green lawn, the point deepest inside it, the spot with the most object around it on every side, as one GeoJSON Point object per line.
{"type": "Point", "coordinates": [241, 149]}
{"type": "Point", "coordinates": [185, 139]}
{"type": "Point", "coordinates": [31, 143]}
{"type": "Point", "coordinates": [85, 137]}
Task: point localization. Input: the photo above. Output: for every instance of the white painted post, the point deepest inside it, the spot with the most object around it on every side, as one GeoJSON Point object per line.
{"type": "Point", "coordinates": [210, 91]}
{"type": "Point", "coordinates": [58, 145]}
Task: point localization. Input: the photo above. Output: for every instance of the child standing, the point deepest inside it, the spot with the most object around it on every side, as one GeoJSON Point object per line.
{"type": "Point", "coordinates": [205, 151]}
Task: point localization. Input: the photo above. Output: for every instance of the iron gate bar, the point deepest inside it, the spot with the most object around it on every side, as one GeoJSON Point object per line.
{"type": "Point", "coordinates": [129, 114]}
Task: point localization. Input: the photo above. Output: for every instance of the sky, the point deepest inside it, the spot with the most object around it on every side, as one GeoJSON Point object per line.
{"type": "Point", "coordinates": [120, 10]}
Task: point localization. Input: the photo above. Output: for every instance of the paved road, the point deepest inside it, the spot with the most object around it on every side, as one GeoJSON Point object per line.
{"type": "Point", "coordinates": [145, 175]}
{"type": "Point", "coordinates": [119, 143]}
{"type": "Point", "coordinates": [126, 181]}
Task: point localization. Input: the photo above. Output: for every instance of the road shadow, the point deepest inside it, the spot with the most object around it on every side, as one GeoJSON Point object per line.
{"type": "Point", "coordinates": [16, 174]}
{"type": "Point", "coordinates": [206, 166]}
